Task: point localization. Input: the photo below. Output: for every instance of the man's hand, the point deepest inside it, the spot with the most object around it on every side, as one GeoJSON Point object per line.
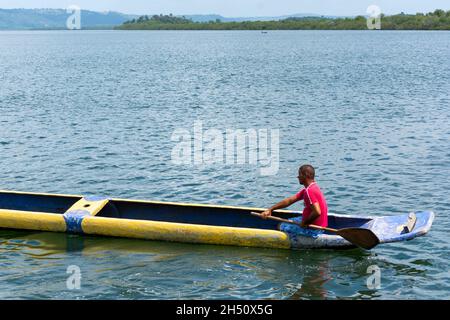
{"type": "Point", "coordinates": [266, 214]}
{"type": "Point", "coordinates": [280, 205]}
{"type": "Point", "coordinates": [303, 224]}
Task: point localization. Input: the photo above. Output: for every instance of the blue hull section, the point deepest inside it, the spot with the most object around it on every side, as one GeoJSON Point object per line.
{"type": "Point", "coordinates": [388, 229]}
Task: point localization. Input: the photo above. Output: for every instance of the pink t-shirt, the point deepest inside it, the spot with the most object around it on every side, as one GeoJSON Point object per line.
{"type": "Point", "coordinates": [311, 195]}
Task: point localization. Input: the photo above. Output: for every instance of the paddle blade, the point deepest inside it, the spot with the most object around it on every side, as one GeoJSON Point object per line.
{"type": "Point", "coordinates": [360, 237]}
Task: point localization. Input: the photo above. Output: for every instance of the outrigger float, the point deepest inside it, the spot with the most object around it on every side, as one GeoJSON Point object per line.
{"type": "Point", "coordinates": [191, 223]}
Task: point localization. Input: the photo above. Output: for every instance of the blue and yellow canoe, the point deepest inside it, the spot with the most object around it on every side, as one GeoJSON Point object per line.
{"type": "Point", "coordinates": [185, 222]}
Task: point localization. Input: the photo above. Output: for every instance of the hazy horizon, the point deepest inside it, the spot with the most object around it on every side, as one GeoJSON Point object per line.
{"type": "Point", "coordinates": [234, 8]}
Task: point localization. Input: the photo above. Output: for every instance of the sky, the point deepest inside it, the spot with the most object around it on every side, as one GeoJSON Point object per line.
{"type": "Point", "coordinates": [238, 8]}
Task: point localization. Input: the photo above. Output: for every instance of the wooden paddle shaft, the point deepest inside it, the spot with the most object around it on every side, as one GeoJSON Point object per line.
{"type": "Point", "coordinates": [312, 226]}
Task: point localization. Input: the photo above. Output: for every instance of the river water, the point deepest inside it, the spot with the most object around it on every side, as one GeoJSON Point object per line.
{"type": "Point", "coordinates": [94, 112]}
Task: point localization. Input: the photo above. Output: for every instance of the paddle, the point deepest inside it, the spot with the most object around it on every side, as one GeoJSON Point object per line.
{"type": "Point", "coordinates": [360, 237]}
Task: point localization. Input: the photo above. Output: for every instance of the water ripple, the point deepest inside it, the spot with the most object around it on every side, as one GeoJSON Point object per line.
{"type": "Point", "coordinates": [370, 111]}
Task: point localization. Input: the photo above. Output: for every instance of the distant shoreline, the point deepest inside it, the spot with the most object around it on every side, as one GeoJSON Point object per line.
{"type": "Point", "coordinates": [437, 20]}
{"type": "Point", "coordinates": [49, 20]}
{"type": "Point", "coordinates": [256, 31]}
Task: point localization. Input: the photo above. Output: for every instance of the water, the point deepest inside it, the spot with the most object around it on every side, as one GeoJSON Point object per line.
{"type": "Point", "coordinates": [93, 112]}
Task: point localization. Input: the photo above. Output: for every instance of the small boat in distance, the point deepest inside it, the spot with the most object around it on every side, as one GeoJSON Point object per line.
{"type": "Point", "coordinates": [190, 223]}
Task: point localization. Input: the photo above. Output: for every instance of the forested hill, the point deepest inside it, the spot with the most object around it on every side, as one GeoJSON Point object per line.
{"type": "Point", "coordinates": [437, 20]}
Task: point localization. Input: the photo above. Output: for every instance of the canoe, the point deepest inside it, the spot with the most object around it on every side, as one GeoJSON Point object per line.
{"type": "Point", "coordinates": [187, 222]}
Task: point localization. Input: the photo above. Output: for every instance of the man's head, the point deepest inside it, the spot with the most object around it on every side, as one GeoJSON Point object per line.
{"type": "Point", "coordinates": [306, 174]}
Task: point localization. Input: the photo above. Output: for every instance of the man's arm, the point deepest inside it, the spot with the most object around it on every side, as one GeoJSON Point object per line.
{"type": "Point", "coordinates": [315, 213]}
{"type": "Point", "coordinates": [280, 205]}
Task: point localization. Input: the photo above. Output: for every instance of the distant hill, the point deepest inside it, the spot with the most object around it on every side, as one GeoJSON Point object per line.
{"type": "Point", "coordinates": [26, 19]}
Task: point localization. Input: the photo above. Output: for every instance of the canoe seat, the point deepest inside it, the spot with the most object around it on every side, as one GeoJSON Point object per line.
{"type": "Point", "coordinates": [89, 205]}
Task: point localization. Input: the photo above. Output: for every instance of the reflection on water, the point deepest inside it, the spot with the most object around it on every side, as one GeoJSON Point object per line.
{"type": "Point", "coordinates": [133, 269]}
{"type": "Point", "coordinates": [313, 283]}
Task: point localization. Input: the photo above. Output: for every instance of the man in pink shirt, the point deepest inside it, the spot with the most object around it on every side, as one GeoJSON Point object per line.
{"type": "Point", "coordinates": [316, 209]}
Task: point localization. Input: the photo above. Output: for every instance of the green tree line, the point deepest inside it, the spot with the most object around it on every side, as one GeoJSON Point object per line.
{"type": "Point", "coordinates": [437, 20]}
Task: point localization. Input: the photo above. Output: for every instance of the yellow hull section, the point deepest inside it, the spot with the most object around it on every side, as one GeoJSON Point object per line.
{"type": "Point", "coordinates": [80, 218]}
